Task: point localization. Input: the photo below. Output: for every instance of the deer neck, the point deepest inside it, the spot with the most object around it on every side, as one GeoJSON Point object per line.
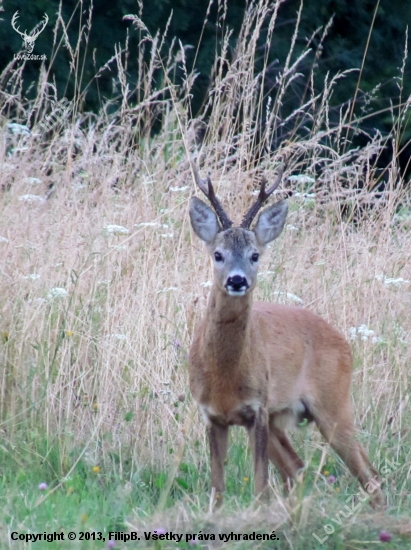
{"type": "Point", "coordinates": [227, 328]}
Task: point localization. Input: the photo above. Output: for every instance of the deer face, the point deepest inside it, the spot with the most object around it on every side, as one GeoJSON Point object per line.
{"type": "Point", "coordinates": [235, 252]}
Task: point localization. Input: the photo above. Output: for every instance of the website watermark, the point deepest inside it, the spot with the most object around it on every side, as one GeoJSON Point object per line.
{"type": "Point", "coordinates": [29, 39]}
{"type": "Point", "coordinates": [29, 57]}
{"type": "Point", "coordinates": [354, 502]}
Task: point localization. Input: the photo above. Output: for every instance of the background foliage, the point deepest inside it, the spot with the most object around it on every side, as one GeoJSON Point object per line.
{"type": "Point", "coordinates": [337, 32]}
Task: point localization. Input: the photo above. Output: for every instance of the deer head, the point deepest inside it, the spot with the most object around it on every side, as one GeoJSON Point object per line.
{"type": "Point", "coordinates": [235, 251]}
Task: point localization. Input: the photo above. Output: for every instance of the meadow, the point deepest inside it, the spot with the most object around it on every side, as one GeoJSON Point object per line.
{"type": "Point", "coordinates": [102, 282]}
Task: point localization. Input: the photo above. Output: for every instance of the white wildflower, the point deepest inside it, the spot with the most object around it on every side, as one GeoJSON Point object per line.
{"type": "Point", "coordinates": [167, 289]}
{"type": "Point", "coordinates": [256, 192]}
{"type": "Point", "coordinates": [364, 333]}
{"type": "Point", "coordinates": [32, 276]}
{"type": "Point", "coordinates": [179, 189]}
{"type": "Point", "coordinates": [8, 167]}
{"type": "Point", "coordinates": [118, 336]}
{"type": "Point", "coordinates": [31, 198]}
{"type": "Point", "coordinates": [397, 282]}
{"type": "Point", "coordinates": [18, 129]}
{"type": "Point", "coordinates": [290, 227]}
{"type": "Point", "coordinates": [301, 178]}
{"type": "Point", "coordinates": [293, 297]}
{"type": "Point", "coordinates": [206, 284]}
{"type": "Point", "coordinates": [167, 235]}
{"type": "Point", "coordinates": [77, 186]}
{"type": "Point", "coordinates": [4, 240]}
{"type": "Point", "coordinates": [304, 196]}
{"type": "Point", "coordinates": [32, 181]}
{"type": "Point", "coordinates": [289, 296]}
{"type": "Point", "coordinates": [320, 262]}
{"type": "Point", "coordinates": [115, 230]}
{"type": "Point", "coordinates": [57, 292]}
{"type": "Point", "coordinates": [151, 224]}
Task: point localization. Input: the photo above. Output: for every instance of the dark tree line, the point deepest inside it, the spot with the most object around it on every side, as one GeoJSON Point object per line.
{"type": "Point", "coordinates": [354, 28]}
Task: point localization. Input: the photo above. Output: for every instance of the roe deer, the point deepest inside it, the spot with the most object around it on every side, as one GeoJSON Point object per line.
{"type": "Point", "coordinates": [259, 364]}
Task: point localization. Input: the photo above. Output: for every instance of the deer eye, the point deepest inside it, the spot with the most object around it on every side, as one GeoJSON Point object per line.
{"type": "Point", "coordinates": [254, 257]}
{"type": "Point", "coordinates": [218, 256]}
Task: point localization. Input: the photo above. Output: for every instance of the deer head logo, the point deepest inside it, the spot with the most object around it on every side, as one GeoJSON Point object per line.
{"type": "Point", "coordinates": [30, 39]}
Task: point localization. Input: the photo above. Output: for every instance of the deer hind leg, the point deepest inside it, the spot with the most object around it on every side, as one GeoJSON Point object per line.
{"type": "Point", "coordinates": [218, 439]}
{"type": "Point", "coordinates": [281, 453]}
{"type": "Point", "coordinates": [341, 435]}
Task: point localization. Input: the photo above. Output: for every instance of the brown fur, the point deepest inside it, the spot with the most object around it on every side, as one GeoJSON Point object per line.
{"type": "Point", "coordinates": [276, 356]}
{"type": "Point", "coordinates": [259, 365]}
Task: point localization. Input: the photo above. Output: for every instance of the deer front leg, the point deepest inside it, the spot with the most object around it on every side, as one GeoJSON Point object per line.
{"type": "Point", "coordinates": [218, 438]}
{"type": "Point", "coordinates": [258, 434]}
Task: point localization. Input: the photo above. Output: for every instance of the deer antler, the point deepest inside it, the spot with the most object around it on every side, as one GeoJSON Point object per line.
{"type": "Point", "coordinates": [13, 23]}
{"type": "Point", "coordinates": [207, 188]}
{"type": "Point", "coordinates": [42, 26]}
{"type": "Point", "coordinates": [262, 197]}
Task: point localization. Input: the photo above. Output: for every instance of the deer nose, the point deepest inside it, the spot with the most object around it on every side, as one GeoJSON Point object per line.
{"type": "Point", "coordinates": [237, 283]}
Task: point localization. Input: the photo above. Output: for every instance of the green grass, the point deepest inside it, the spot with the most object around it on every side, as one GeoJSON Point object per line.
{"type": "Point", "coordinates": [120, 496]}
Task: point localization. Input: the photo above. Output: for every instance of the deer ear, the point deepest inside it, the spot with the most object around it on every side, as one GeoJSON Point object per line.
{"type": "Point", "coordinates": [203, 220]}
{"type": "Point", "coordinates": [271, 222]}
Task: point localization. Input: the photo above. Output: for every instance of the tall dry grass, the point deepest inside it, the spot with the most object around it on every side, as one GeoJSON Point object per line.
{"type": "Point", "coordinates": [102, 281]}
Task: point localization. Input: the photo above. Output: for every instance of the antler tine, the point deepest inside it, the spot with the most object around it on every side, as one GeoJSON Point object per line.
{"type": "Point", "coordinates": [262, 197]}
{"type": "Point", "coordinates": [13, 24]}
{"type": "Point", "coordinates": [43, 24]}
{"type": "Point", "coordinates": [207, 188]}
